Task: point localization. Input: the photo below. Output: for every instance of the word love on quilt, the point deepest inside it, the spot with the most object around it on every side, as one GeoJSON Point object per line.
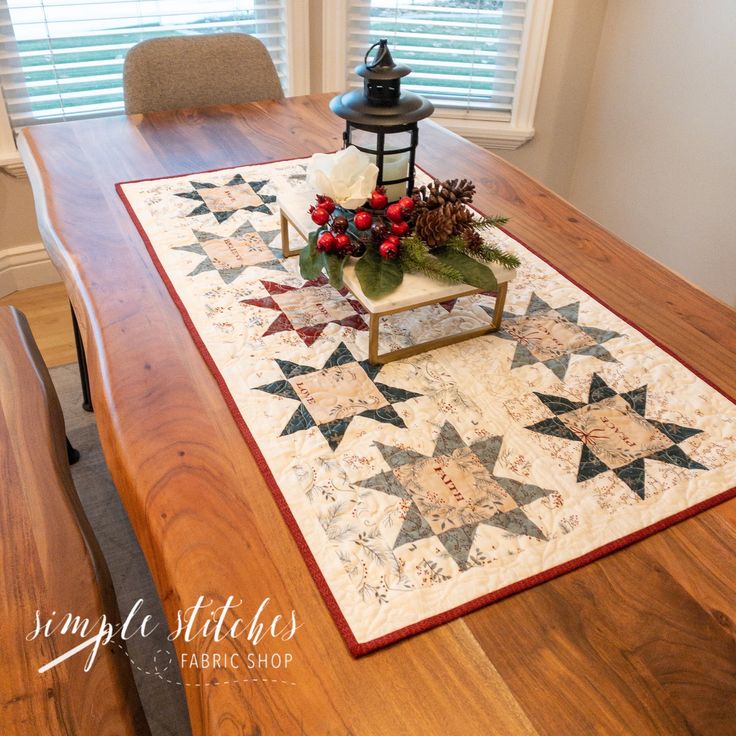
{"type": "Point", "coordinates": [425, 487]}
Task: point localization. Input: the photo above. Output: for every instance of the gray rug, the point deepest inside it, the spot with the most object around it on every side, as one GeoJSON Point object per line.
{"type": "Point", "coordinates": [163, 703]}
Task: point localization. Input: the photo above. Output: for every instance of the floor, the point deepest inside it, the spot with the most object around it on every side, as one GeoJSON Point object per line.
{"type": "Point", "coordinates": [47, 310]}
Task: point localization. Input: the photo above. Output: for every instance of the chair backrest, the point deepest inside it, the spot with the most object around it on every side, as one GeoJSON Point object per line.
{"type": "Point", "coordinates": [198, 71]}
{"type": "Point", "coordinates": [50, 562]}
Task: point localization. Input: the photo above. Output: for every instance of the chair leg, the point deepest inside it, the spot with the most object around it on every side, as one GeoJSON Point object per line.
{"type": "Point", "coordinates": [82, 362]}
{"type": "Point", "coordinates": [72, 453]}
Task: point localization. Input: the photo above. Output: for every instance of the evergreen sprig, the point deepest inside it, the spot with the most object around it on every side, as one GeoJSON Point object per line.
{"type": "Point", "coordinates": [434, 269]}
{"type": "Point", "coordinates": [457, 242]}
{"type": "Point", "coordinates": [486, 223]}
{"type": "Point", "coordinates": [494, 254]}
{"type": "Point", "coordinates": [415, 257]}
{"type": "Point", "coordinates": [414, 248]}
{"type": "Point", "coordinates": [484, 252]}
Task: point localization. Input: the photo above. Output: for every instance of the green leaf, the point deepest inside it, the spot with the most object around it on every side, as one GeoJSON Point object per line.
{"type": "Point", "coordinates": [334, 266]}
{"type": "Point", "coordinates": [378, 276]}
{"type": "Point", "coordinates": [473, 272]}
{"type": "Point", "coordinates": [311, 261]}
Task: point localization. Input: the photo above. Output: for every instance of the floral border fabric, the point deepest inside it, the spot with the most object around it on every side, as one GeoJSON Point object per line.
{"type": "Point", "coordinates": [431, 485]}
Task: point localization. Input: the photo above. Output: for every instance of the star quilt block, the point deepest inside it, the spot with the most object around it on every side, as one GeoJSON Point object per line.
{"type": "Point", "coordinates": [616, 434]}
{"type": "Point", "coordinates": [225, 200]}
{"type": "Point", "coordinates": [331, 397]}
{"type": "Point", "coordinates": [308, 309]}
{"type": "Point", "coordinates": [230, 256]}
{"type": "Point", "coordinates": [551, 336]}
{"type": "Point", "coordinates": [453, 491]}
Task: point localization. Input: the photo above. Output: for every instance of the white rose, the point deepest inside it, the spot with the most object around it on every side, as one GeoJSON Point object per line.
{"type": "Point", "coordinates": [347, 176]}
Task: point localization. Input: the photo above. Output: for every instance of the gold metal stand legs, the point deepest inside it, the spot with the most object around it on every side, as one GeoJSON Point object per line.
{"type": "Point", "coordinates": [375, 320]}
{"type": "Point", "coordinates": [285, 237]}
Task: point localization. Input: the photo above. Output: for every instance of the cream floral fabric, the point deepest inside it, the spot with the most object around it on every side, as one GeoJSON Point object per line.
{"type": "Point", "coordinates": [436, 481]}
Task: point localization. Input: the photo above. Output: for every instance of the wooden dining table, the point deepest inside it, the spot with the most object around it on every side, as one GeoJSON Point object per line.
{"type": "Point", "coordinates": [641, 641]}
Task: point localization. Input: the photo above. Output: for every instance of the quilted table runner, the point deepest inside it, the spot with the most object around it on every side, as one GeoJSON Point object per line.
{"type": "Point", "coordinates": [426, 488]}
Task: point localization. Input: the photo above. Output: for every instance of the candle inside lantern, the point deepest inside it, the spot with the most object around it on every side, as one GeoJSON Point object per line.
{"type": "Point", "coordinates": [395, 166]}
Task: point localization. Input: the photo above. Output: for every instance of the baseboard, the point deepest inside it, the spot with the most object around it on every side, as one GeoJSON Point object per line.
{"type": "Point", "coordinates": [24, 267]}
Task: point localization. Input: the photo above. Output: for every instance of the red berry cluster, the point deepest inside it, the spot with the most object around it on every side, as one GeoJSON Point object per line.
{"type": "Point", "coordinates": [322, 210]}
{"type": "Point", "coordinates": [387, 223]}
{"type": "Point", "coordinates": [388, 237]}
{"type": "Point", "coordinates": [336, 239]}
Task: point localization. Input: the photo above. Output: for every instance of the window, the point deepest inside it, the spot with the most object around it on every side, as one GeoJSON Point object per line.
{"type": "Point", "coordinates": [63, 59]}
{"type": "Point", "coordinates": [479, 61]}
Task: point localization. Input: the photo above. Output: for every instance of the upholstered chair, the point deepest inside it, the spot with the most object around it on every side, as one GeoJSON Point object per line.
{"type": "Point", "coordinates": [198, 71]}
{"type": "Point", "coordinates": [50, 560]}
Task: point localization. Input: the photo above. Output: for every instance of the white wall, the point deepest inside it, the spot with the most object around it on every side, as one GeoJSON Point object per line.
{"type": "Point", "coordinates": [572, 46]}
{"type": "Point", "coordinates": [23, 260]}
{"type": "Point", "coordinates": [656, 163]}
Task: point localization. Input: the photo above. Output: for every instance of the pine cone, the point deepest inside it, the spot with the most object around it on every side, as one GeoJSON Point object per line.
{"type": "Point", "coordinates": [421, 196]}
{"type": "Point", "coordinates": [434, 227]}
{"type": "Point", "coordinates": [459, 191]}
{"type": "Point", "coordinates": [473, 239]}
{"type": "Point", "coordinates": [428, 197]}
{"type": "Point", "coordinates": [461, 217]}
{"type": "Point", "coordinates": [439, 193]}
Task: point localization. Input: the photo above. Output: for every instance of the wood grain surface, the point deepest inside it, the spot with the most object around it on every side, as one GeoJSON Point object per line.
{"type": "Point", "coordinates": [48, 553]}
{"type": "Point", "coordinates": [640, 642]}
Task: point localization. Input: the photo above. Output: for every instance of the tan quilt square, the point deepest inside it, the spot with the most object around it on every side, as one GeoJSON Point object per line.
{"type": "Point", "coordinates": [337, 393]}
{"type": "Point", "coordinates": [548, 335]}
{"type": "Point", "coordinates": [452, 491]}
{"type": "Point", "coordinates": [236, 252]}
{"type": "Point", "coordinates": [313, 306]}
{"type": "Point", "coordinates": [227, 199]}
{"type": "Point", "coordinates": [615, 433]}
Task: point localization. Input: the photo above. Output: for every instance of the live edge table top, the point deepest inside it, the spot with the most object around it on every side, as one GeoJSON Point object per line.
{"type": "Point", "coordinates": [564, 657]}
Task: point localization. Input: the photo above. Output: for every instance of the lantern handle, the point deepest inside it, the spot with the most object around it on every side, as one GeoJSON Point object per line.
{"type": "Point", "coordinates": [383, 43]}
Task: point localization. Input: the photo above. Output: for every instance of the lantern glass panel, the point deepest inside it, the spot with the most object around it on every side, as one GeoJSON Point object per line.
{"type": "Point", "coordinates": [395, 165]}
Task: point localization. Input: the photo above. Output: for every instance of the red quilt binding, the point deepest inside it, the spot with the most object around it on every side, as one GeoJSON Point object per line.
{"type": "Point", "coordinates": [355, 647]}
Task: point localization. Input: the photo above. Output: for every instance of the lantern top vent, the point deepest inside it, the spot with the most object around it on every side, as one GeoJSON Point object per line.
{"type": "Point", "coordinates": [383, 66]}
{"type": "Point", "coordinates": [381, 103]}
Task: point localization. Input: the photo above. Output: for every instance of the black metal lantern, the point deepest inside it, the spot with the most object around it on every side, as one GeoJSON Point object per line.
{"type": "Point", "coordinates": [382, 120]}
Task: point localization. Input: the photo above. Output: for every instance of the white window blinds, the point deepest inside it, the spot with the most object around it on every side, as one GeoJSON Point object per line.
{"type": "Point", "coordinates": [62, 59]}
{"type": "Point", "coordinates": [464, 54]}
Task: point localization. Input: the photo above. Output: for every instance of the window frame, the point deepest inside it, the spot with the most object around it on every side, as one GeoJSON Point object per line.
{"type": "Point", "coordinates": [9, 157]}
{"type": "Point", "coordinates": [297, 40]}
{"type": "Point", "coordinates": [484, 128]}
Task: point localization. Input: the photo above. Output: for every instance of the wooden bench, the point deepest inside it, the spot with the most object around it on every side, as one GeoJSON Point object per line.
{"type": "Point", "coordinates": [49, 562]}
